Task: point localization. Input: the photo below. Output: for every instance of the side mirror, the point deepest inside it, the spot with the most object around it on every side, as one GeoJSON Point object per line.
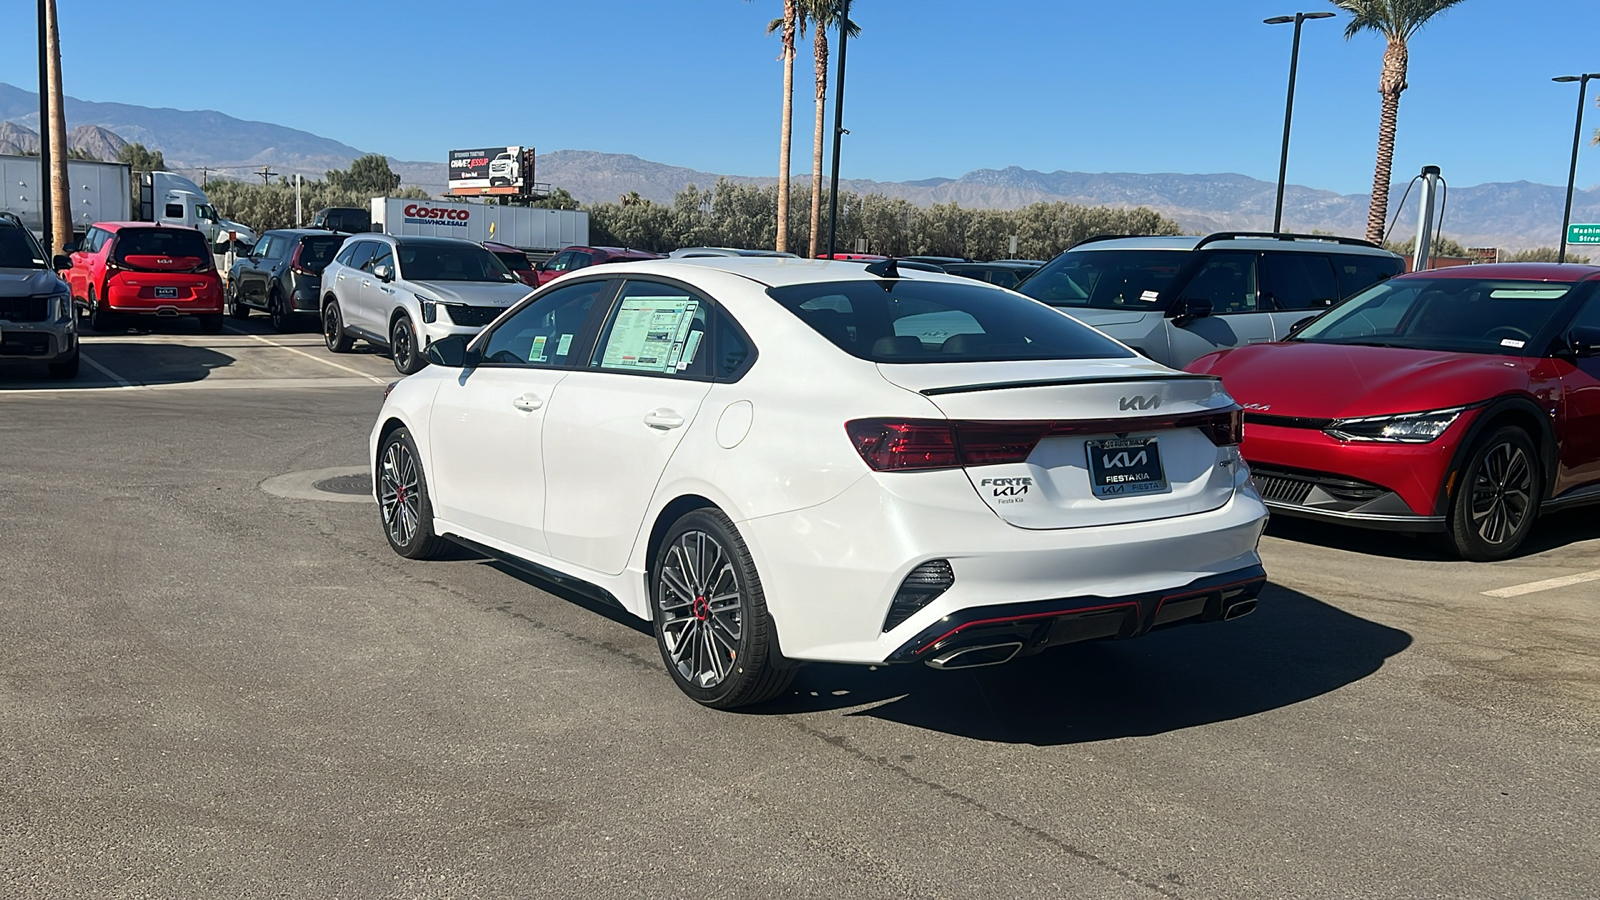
{"type": "Point", "coordinates": [1191, 308]}
{"type": "Point", "coordinates": [60, 262]}
{"type": "Point", "coordinates": [70, 248]}
{"type": "Point", "coordinates": [1299, 326]}
{"type": "Point", "coordinates": [1584, 341]}
{"type": "Point", "coordinates": [450, 352]}
{"type": "Point", "coordinates": [383, 273]}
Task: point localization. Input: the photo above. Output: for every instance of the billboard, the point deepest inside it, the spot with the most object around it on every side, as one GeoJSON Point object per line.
{"type": "Point", "coordinates": [491, 170]}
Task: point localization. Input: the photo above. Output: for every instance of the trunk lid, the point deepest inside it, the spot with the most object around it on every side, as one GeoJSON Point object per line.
{"type": "Point", "coordinates": [1111, 442]}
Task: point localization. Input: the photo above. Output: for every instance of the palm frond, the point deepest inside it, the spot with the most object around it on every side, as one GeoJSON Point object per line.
{"type": "Point", "coordinates": [1394, 19]}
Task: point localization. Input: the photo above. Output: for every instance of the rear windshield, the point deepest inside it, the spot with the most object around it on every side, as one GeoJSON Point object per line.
{"type": "Point", "coordinates": [450, 262]}
{"type": "Point", "coordinates": [1106, 279]}
{"type": "Point", "coordinates": [161, 242]}
{"type": "Point", "coordinates": [317, 252]}
{"type": "Point", "coordinates": [912, 321]}
{"type": "Point", "coordinates": [18, 250]}
{"type": "Point", "coordinates": [513, 260]}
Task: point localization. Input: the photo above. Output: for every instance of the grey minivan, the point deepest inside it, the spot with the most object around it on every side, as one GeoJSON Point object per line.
{"type": "Point", "coordinates": [1175, 299]}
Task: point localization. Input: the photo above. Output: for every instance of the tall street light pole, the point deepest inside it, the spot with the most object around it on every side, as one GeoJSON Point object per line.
{"type": "Point", "coordinates": [1298, 19]}
{"type": "Point", "coordinates": [1572, 173]}
{"type": "Point", "coordinates": [838, 127]}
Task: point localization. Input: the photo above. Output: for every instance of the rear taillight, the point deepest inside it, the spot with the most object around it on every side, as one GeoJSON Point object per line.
{"type": "Point", "coordinates": [1225, 429]}
{"type": "Point", "coordinates": [294, 262]}
{"type": "Point", "coordinates": [897, 445]}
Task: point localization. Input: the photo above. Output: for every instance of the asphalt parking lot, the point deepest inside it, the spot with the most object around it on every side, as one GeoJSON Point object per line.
{"type": "Point", "coordinates": [212, 688]}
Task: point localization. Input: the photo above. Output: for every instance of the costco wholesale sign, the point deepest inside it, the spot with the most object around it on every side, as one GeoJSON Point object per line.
{"type": "Point", "coordinates": [516, 226]}
{"type": "Point", "coordinates": [492, 170]}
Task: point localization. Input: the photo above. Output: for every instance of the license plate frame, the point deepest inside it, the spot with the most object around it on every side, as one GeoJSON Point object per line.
{"type": "Point", "coordinates": [166, 293]}
{"type": "Point", "coordinates": [1126, 467]}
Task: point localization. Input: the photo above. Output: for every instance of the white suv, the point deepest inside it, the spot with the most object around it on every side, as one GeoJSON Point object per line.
{"type": "Point", "coordinates": [404, 293]}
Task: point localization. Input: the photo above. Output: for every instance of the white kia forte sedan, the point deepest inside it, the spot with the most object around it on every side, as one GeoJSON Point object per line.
{"type": "Point", "coordinates": [780, 460]}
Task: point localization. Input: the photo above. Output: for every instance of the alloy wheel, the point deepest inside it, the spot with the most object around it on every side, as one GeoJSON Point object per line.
{"type": "Point", "coordinates": [702, 609]}
{"type": "Point", "coordinates": [1502, 493]}
{"type": "Point", "coordinates": [399, 494]}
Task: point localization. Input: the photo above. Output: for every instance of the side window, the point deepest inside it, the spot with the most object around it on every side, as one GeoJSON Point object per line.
{"type": "Point", "coordinates": [361, 254]}
{"type": "Point", "coordinates": [547, 333]}
{"type": "Point", "coordinates": [174, 211]}
{"type": "Point", "coordinates": [1228, 280]}
{"type": "Point", "coordinates": [94, 240]}
{"type": "Point", "coordinates": [1590, 314]}
{"type": "Point", "coordinates": [733, 351]}
{"type": "Point", "coordinates": [382, 255]}
{"type": "Point", "coordinates": [1357, 273]}
{"type": "Point", "coordinates": [655, 329]}
{"type": "Point", "coordinates": [263, 249]}
{"type": "Point", "coordinates": [345, 252]}
{"type": "Point", "coordinates": [579, 260]}
{"type": "Point", "coordinates": [1297, 281]}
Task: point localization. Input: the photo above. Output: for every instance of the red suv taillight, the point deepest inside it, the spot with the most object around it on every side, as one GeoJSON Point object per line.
{"type": "Point", "coordinates": [294, 262]}
{"type": "Point", "coordinates": [897, 445]}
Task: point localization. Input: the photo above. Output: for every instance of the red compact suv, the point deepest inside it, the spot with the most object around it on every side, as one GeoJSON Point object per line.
{"type": "Point", "coordinates": [1462, 401]}
{"type": "Point", "coordinates": [574, 258]}
{"type": "Point", "coordinates": [145, 269]}
{"type": "Point", "coordinates": [516, 261]}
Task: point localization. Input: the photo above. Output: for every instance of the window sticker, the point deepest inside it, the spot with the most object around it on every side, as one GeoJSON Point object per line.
{"type": "Point", "coordinates": [1514, 344]}
{"type": "Point", "coordinates": [649, 334]}
{"type": "Point", "coordinates": [536, 352]}
{"type": "Point", "coordinates": [564, 345]}
{"type": "Point", "coordinates": [689, 347]}
{"type": "Point", "coordinates": [1528, 293]}
{"type": "Point", "coordinates": [1150, 296]}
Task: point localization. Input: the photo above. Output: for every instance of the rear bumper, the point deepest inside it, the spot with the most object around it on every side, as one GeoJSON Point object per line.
{"type": "Point", "coordinates": [1031, 627]}
{"type": "Point", "coordinates": [138, 298]}
{"type": "Point", "coordinates": [830, 572]}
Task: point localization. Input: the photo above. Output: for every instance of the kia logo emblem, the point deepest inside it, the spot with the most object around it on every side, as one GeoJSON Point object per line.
{"type": "Point", "coordinates": [164, 261]}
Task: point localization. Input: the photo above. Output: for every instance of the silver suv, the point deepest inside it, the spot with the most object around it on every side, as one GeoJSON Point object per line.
{"type": "Point", "coordinates": [404, 293]}
{"type": "Point", "coordinates": [37, 321]}
{"type": "Point", "coordinates": [1175, 299]}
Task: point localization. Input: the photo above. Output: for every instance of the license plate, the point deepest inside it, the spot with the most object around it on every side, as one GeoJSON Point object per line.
{"type": "Point", "coordinates": [1126, 467]}
{"type": "Point", "coordinates": [166, 293]}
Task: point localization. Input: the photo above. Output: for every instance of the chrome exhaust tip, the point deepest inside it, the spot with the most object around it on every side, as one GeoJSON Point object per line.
{"type": "Point", "coordinates": [170, 312]}
{"type": "Point", "coordinates": [975, 656]}
{"type": "Point", "coordinates": [1242, 608]}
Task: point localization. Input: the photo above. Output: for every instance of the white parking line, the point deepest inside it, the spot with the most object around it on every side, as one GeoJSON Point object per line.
{"type": "Point", "coordinates": [1534, 587]}
{"type": "Point", "coordinates": [121, 382]}
{"type": "Point", "coordinates": [319, 359]}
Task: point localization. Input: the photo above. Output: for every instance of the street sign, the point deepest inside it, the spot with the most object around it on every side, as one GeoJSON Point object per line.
{"type": "Point", "coordinates": [1583, 234]}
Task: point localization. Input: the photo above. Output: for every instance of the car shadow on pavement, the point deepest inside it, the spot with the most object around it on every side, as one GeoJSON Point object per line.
{"type": "Point", "coordinates": [1293, 648]}
{"type": "Point", "coordinates": [134, 363]}
{"type": "Point", "coordinates": [572, 591]}
{"type": "Point", "coordinates": [1549, 533]}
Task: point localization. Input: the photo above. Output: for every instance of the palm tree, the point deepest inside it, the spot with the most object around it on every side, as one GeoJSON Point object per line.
{"type": "Point", "coordinates": [823, 14]}
{"type": "Point", "coordinates": [786, 26]}
{"type": "Point", "coordinates": [60, 199]}
{"type": "Point", "coordinates": [1397, 21]}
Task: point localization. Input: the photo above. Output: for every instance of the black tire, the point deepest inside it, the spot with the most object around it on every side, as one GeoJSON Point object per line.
{"type": "Point", "coordinates": [211, 323]}
{"type": "Point", "coordinates": [236, 307]}
{"type": "Point", "coordinates": [703, 562]}
{"type": "Point", "coordinates": [1498, 499]}
{"type": "Point", "coordinates": [408, 360]}
{"type": "Point", "coordinates": [333, 333]}
{"type": "Point", "coordinates": [67, 368]}
{"type": "Point", "coordinates": [404, 507]}
{"type": "Point", "coordinates": [283, 321]}
{"type": "Point", "coordinates": [100, 317]}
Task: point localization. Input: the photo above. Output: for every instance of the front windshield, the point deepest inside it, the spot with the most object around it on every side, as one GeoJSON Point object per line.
{"type": "Point", "coordinates": [1106, 279]}
{"type": "Point", "coordinates": [431, 261]}
{"type": "Point", "coordinates": [18, 250]}
{"type": "Point", "coordinates": [205, 211]}
{"type": "Point", "coordinates": [1454, 315]}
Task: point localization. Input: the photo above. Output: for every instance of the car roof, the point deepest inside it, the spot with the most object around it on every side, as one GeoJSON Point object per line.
{"type": "Point", "coordinates": [1567, 273]}
{"type": "Point", "coordinates": [498, 247]}
{"type": "Point", "coordinates": [1295, 244]}
{"type": "Point", "coordinates": [999, 263]}
{"type": "Point", "coordinates": [302, 232]}
{"type": "Point", "coordinates": [416, 238]}
{"type": "Point", "coordinates": [777, 271]}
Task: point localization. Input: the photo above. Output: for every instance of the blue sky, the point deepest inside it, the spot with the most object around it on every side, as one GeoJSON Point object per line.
{"type": "Point", "coordinates": [936, 87]}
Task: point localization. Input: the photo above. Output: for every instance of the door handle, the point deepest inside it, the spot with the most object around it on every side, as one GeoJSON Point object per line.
{"type": "Point", "coordinates": [366, 282]}
{"type": "Point", "coordinates": [528, 402]}
{"type": "Point", "coordinates": [663, 419]}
